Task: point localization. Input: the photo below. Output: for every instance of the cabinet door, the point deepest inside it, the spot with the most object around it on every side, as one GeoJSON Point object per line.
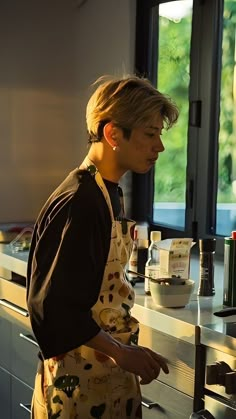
{"type": "Point", "coordinates": [162, 401]}
{"type": "Point", "coordinates": [21, 397]}
{"type": "Point", "coordinates": [5, 333]}
{"type": "Point", "coordinates": [5, 395]}
{"type": "Point", "coordinates": [24, 354]}
{"type": "Point", "coordinates": [180, 354]}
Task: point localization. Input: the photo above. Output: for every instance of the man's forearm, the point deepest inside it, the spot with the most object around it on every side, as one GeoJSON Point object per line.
{"type": "Point", "coordinates": [105, 343]}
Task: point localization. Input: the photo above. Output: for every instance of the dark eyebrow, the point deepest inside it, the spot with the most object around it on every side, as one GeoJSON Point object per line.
{"type": "Point", "coordinates": [157, 128]}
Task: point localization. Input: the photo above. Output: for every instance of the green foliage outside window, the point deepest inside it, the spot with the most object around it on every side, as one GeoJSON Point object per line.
{"type": "Point", "coordinates": [227, 133]}
{"type": "Point", "coordinates": [173, 79]}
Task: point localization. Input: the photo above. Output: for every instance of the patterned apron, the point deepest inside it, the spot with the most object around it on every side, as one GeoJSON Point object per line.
{"type": "Point", "coordinates": [85, 383]}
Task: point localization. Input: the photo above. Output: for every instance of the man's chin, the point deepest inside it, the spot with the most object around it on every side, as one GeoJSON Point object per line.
{"type": "Point", "coordinates": [142, 172]}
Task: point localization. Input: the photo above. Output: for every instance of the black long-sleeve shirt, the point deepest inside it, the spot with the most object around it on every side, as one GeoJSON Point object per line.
{"type": "Point", "coordinates": [67, 258]}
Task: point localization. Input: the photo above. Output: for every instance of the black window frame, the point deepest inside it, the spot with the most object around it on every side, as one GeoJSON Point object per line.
{"type": "Point", "coordinates": [205, 44]}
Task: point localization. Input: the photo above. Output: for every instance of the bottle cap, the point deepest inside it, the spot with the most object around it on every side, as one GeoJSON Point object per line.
{"type": "Point", "coordinates": [233, 235]}
{"type": "Point", "coordinates": [207, 245]}
{"type": "Point", "coordinates": [155, 236]}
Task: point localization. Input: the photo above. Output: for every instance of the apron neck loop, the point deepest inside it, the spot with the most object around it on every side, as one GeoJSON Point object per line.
{"type": "Point", "coordinates": [122, 206]}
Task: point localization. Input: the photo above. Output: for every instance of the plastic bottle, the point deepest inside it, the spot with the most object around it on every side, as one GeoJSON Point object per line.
{"type": "Point", "coordinates": [152, 267]}
{"type": "Point", "coordinates": [206, 282]}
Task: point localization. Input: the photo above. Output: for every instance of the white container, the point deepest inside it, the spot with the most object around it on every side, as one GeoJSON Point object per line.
{"type": "Point", "coordinates": [171, 295]}
{"type": "Point", "coordinates": [175, 257]}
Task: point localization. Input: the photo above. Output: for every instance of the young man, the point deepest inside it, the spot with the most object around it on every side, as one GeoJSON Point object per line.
{"type": "Point", "coordinates": [79, 300]}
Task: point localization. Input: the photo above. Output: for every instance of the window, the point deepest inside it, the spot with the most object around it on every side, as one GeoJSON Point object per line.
{"type": "Point", "coordinates": [173, 64]}
{"type": "Point", "coordinates": [179, 47]}
{"type": "Point", "coordinates": [226, 191]}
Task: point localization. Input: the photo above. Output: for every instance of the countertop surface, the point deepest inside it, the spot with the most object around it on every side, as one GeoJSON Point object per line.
{"type": "Point", "coordinates": [13, 261]}
{"type": "Point", "coordinates": [191, 323]}
{"type": "Point", "coordinates": [196, 321]}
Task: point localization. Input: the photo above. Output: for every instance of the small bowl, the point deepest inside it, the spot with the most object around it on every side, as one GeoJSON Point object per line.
{"type": "Point", "coordinates": [171, 295]}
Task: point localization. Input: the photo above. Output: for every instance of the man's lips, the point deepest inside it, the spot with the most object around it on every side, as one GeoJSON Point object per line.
{"type": "Point", "coordinates": [153, 159]}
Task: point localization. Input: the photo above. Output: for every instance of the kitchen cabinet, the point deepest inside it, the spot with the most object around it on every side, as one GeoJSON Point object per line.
{"type": "Point", "coordinates": [5, 394]}
{"type": "Point", "coordinates": [162, 401]}
{"type": "Point", "coordinates": [21, 395]}
{"type": "Point", "coordinates": [180, 355]}
{"type": "Point", "coordinates": [24, 354]}
{"type": "Point", "coordinates": [172, 394]}
{"type": "Point", "coordinates": [18, 363]}
{"type": "Point", "coordinates": [5, 333]}
{"type": "Point", "coordinates": [18, 353]}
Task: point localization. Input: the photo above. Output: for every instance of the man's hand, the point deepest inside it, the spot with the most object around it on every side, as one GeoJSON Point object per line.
{"type": "Point", "coordinates": [141, 361]}
{"type": "Point", "coordinates": [138, 360]}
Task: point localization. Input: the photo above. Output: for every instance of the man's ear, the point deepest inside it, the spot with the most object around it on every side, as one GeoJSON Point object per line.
{"type": "Point", "coordinates": [110, 134]}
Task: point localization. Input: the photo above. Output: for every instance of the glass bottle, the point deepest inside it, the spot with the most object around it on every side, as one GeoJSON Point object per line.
{"type": "Point", "coordinates": [152, 267]}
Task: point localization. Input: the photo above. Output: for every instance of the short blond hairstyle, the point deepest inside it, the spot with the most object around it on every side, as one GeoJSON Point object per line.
{"type": "Point", "coordinates": [128, 102]}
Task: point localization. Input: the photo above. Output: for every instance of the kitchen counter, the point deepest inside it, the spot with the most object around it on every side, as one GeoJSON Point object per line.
{"type": "Point", "coordinates": [195, 321]}
{"type": "Point", "coordinates": [183, 323]}
{"type": "Point", "coordinates": [13, 261]}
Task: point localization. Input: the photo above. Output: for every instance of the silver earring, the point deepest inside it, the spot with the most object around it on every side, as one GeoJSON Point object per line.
{"type": "Point", "coordinates": [114, 148]}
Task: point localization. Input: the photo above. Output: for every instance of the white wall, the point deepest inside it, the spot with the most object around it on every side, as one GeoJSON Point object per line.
{"type": "Point", "coordinates": [50, 53]}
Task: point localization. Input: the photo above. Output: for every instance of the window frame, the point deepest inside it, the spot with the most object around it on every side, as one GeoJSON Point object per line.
{"type": "Point", "coordinates": [202, 141]}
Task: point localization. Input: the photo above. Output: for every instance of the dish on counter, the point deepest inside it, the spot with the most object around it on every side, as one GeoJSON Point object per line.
{"type": "Point", "coordinates": [171, 295]}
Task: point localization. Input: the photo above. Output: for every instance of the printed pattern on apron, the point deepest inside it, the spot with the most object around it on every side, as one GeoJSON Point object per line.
{"type": "Point", "coordinates": [84, 383]}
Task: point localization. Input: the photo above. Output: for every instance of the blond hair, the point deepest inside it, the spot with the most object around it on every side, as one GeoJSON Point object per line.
{"type": "Point", "coordinates": [128, 102]}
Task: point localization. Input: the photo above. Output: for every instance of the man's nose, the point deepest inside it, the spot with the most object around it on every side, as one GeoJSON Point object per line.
{"type": "Point", "coordinates": [159, 146]}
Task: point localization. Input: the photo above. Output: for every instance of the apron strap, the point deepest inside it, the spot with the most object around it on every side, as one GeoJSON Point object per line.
{"type": "Point", "coordinates": [93, 170]}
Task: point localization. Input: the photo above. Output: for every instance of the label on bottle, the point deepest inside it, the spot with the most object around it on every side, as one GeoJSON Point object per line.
{"type": "Point", "coordinates": [152, 271]}
{"type": "Point", "coordinates": [206, 283]}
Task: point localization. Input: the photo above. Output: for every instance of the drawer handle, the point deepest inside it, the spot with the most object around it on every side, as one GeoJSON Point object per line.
{"type": "Point", "coordinates": [29, 338]}
{"type": "Point", "coordinates": [14, 307]}
{"type": "Point", "coordinates": [150, 405]}
{"type": "Point", "coordinates": [27, 407]}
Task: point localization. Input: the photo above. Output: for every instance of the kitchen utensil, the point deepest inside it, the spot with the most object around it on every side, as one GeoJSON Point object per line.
{"type": "Point", "coordinates": [167, 281]}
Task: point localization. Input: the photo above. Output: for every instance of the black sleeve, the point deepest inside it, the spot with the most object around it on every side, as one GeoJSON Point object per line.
{"type": "Point", "coordinates": [75, 260]}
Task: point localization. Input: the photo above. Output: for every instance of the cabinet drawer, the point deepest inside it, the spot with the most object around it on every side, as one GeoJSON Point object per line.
{"type": "Point", "coordinates": [13, 292]}
{"type": "Point", "coordinates": [219, 409]}
{"type": "Point", "coordinates": [180, 356]}
{"type": "Point", "coordinates": [21, 399]}
{"type": "Point", "coordinates": [162, 401]}
{"type": "Point", "coordinates": [24, 354]}
{"type": "Point", "coordinates": [13, 303]}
